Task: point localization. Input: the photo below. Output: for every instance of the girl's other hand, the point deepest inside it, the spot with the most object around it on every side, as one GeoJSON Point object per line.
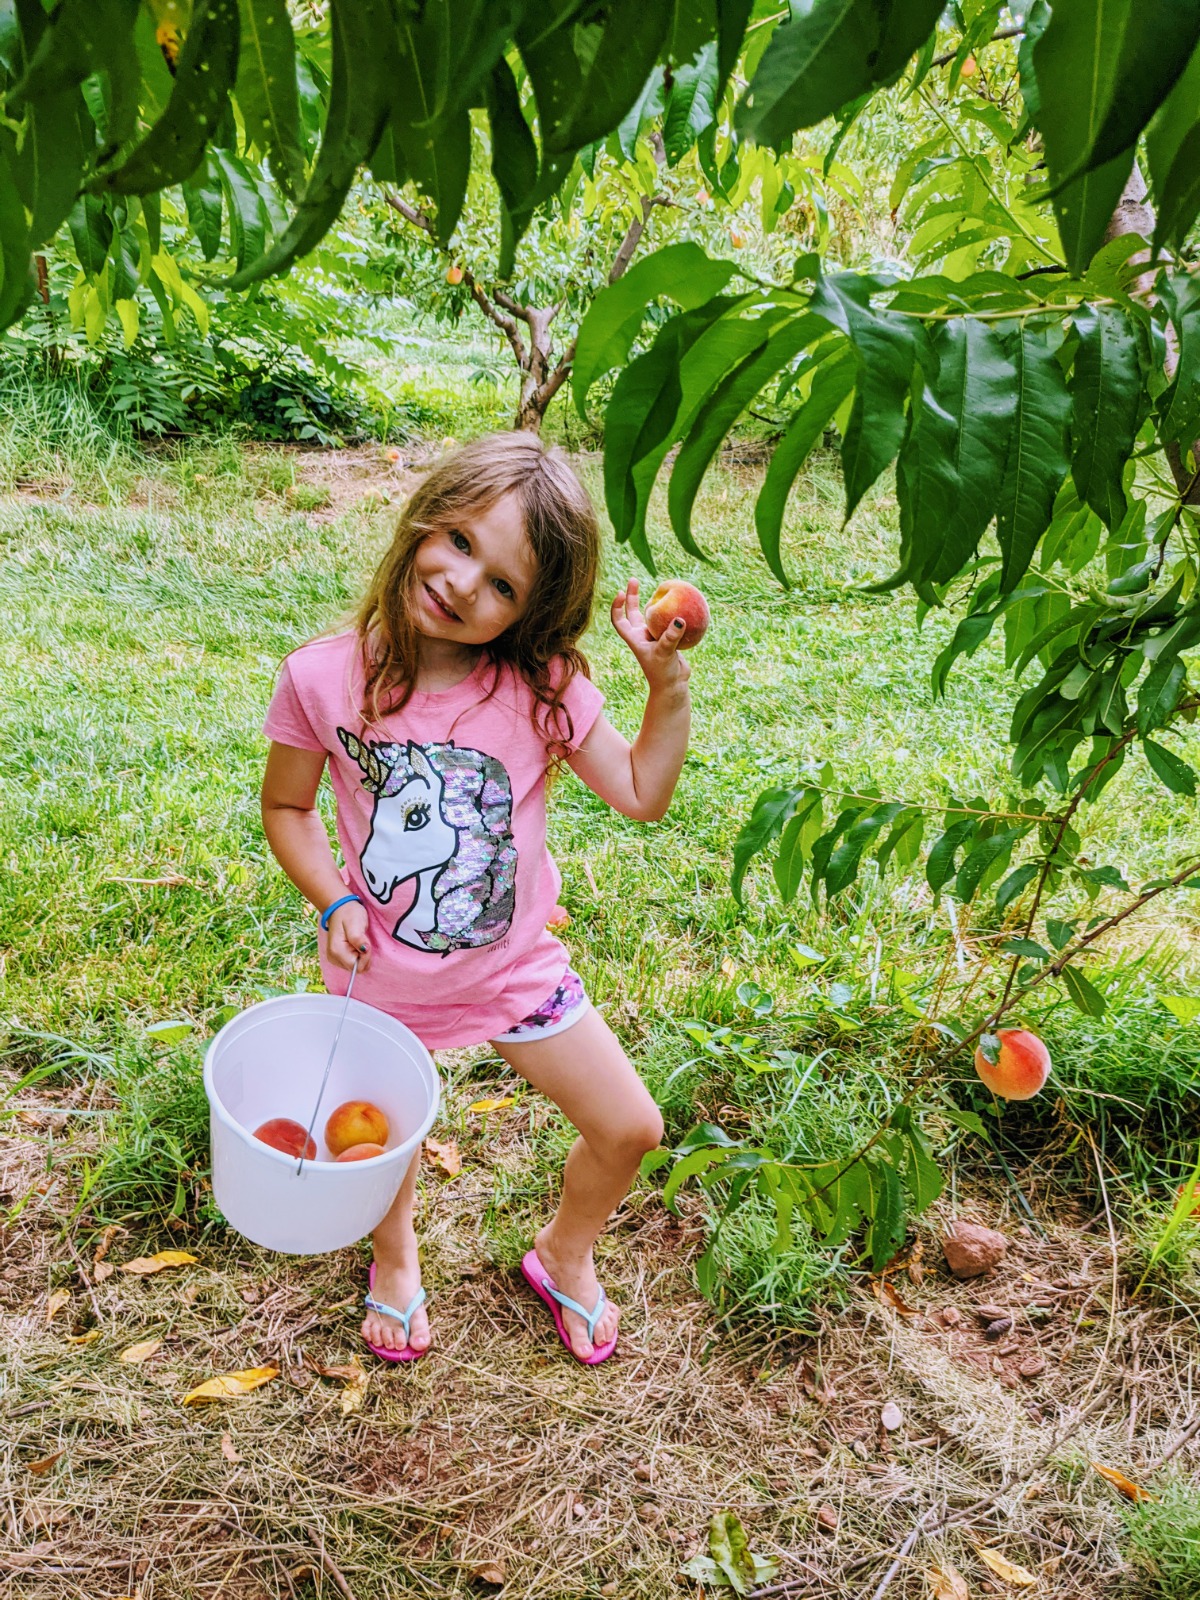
{"type": "Point", "coordinates": [659, 659]}
{"type": "Point", "coordinates": [348, 937]}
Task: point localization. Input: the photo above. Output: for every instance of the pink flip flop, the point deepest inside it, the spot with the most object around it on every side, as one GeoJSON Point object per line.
{"type": "Point", "coordinates": [402, 1317]}
{"type": "Point", "coordinates": [543, 1286]}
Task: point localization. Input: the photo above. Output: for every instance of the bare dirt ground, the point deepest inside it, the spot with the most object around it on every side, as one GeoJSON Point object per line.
{"type": "Point", "coordinates": [495, 1464]}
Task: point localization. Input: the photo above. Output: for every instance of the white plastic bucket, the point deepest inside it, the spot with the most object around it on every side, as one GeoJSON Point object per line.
{"type": "Point", "coordinates": [267, 1062]}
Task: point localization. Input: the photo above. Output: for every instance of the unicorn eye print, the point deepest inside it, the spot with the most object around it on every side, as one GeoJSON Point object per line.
{"type": "Point", "coordinates": [442, 817]}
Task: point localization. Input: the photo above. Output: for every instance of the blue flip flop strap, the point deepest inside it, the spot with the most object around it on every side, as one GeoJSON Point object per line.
{"type": "Point", "coordinates": [402, 1317]}
{"type": "Point", "coordinates": [591, 1318]}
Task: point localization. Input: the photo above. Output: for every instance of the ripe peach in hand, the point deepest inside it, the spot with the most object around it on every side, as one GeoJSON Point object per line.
{"type": "Point", "coordinates": [1014, 1063]}
{"type": "Point", "coordinates": [674, 598]}
{"type": "Point", "coordinates": [281, 1133]}
{"type": "Point", "coordinates": [355, 1122]}
{"type": "Point", "coordinates": [361, 1152]}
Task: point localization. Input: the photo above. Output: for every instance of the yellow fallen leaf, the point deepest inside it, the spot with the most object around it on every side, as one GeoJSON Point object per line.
{"type": "Point", "coordinates": [1008, 1570]}
{"type": "Point", "coordinates": [144, 1265]}
{"type": "Point", "coordinates": [140, 1352]}
{"type": "Point", "coordinates": [482, 1106]}
{"type": "Point", "coordinates": [102, 1270]}
{"type": "Point", "coordinates": [948, 1583]}
{"type": "Point", "coordinates": [84, 1338]}
{"type": "Point", "coordinates": [355, 1391]}
{"type": "Point", "coordinates": [230, 1385]}
{"type": "Point", "coordinates": [444, 1156]}
{"type": "Point", "coordinates": [56, 1302]}
{"type": "Point", "coordinates": [44, 1465]}
{"type": "Point", "coordinates": [106, 1239]}
{"type": "Point", "coordinates": [729, 967]}
{"type": "Point", "coordinates": [228, 1450]}
{"type": "Point", "coordinates": [1131, 1491]}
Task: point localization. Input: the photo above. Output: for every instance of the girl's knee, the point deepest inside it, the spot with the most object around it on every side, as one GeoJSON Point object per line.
{"type": "Point", "coordinates": [641, 1132]}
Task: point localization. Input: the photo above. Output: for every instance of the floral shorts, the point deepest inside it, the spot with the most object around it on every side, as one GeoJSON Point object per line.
{"type": "Point", "coordinates": [563, 1009]}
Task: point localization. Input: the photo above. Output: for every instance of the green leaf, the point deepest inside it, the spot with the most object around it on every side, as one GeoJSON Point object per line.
{"type": "Point", "coordinates": [1086, 997]}
{"type": "Point", "coordinates": [266, 90]}
{"type": "Point", "coordinates": [1015, 885]}
{"type": "Point", "coordinates": [1184, 1008]}
{"type": "Point", "coordinates": [772, 809]}
{"type": "Point", "coordinates": [514, 161]}
{"type": "Point", "coordinates": [969, 1121]}
{"type": "Point", "coordinates": [952, 461]}
{"type": "Point", "coordinates": [1179, 405]}
{"type": "Point", "coordinates": [842, 867]}
{"type": "Point", "coordinates": [925, 1178]}
{"type": "Point", "coordinates": [84, 38]}
{"type": "Point", "coordinates": [1175, 773]}
{"type": "Point", "coordinates": [15, 281]}
{"type": "Point", "coordinates": [691, 104]}
{"type": "Point", "coordinates": [827, 53]}
{"type": "Point", "coordinates": [1173, 127]}
{"type": "Point", "coordinates": [983, 858]}
{"type": "Point", "coordinates": [795, 843]}
{"type": "Point", "coordinates": [887, 1230]}
{"type": "Point", "coordinates": [834, 379]}
{"type": "Point", "coordinates": [886, 346]}
{"type": "Point", "coordinates": [690, 1166]}
{"type": "Point", "coordinates": [1158, 693]}
{"type": "Point", "coordinates": [199, 99]}
{"type": "Point", "coordinates": [247, 208]}
{"type": "Point", "coordinates": [939, 867]}
{"type": "Point", "coordinates": [202, 196]}
{"type": "Point", "coordinates": [169, 1032]}
{"type": "Point", "coordinates": [730, 1549]}
{"type": "Point", "coordinates": [365, 76]}
{"type": "Point", "coordinates": [1037, 462]}
{"type": "Point", "coordinates": [723, 407]}
{"type": "Point", "coordinates": [679, 272]}
{"type": "Point", "coordinates": [1106, 392]}
{"type": "Point", "coordinates": [91, 232]}
{"type": "Point", "coordinates": [1076, 62]}
{"type": "Point", "coordinates": [616, 69]}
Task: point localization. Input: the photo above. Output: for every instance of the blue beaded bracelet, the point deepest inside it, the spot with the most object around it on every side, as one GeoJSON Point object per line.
{"type": "Point", "coordinates": [329, 910]}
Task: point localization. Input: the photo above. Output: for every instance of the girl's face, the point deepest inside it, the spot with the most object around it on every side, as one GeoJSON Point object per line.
{"type": "Point", "coordinates": [473, 579]}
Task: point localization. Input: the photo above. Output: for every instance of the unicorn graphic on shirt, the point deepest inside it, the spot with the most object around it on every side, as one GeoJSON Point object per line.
{"type": "Point", "coordinates": [442, 817]}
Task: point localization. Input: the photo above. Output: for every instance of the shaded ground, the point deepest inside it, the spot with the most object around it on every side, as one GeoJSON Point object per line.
{"type": "Point", "coordinates": [496, 1457]}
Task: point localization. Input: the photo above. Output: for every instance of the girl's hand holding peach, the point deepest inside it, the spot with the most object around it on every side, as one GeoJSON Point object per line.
{"type": "Point", "coordinates": [657, 654]}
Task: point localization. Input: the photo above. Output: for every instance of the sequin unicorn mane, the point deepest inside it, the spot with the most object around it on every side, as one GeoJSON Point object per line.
{"type": "Point", "coordinates": [444, 817]}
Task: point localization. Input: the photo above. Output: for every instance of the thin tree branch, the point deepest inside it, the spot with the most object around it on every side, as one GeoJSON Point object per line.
{"type": "Point", "coordinates": [1000, 33]}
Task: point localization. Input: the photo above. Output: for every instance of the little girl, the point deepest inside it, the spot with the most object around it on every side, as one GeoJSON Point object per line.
{"type": "Point", "coordinates": [440, 715]}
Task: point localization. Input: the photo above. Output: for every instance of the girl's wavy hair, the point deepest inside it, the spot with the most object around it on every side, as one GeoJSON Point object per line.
{"type": "Point", "coordinates": [560, 524]}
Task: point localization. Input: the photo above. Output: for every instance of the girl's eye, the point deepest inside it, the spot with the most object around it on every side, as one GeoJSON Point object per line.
{"type": "Point", "coordinates": [505, 589]}
{"type": "Point", "coordinates": [460, 541]}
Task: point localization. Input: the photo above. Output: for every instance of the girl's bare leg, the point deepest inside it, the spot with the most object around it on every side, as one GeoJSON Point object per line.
{"type": "Point", "coordinates": [589, 1077]}
{"type": "Point", "coordinates": [398, 1271]}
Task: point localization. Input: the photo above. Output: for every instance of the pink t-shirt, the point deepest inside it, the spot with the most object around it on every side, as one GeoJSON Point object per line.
{"type": "Point", "coordinates": [441, 814]}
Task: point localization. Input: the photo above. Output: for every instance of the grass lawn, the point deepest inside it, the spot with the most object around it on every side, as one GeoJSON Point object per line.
{"type": "Point", "coordinates": [148, 603]}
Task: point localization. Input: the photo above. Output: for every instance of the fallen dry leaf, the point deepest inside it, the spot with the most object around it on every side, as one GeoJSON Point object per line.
{"type": "Point", "coordinates": [891, 1416]}
{"type": "Point", "coordinates": [444, 1156]}
{"type": "Point", "coordinates": [56, 1302]}
{"type": "Point", "coordinates": [44, 1465]}
{"type": "Point", "coordinates": [140, 1352]}
{"type": "Point", "coordinates": [483, 1106]}
{"type": "Point", "coordinates": [489, 1572]}
{"type": "Point", "coordinates": [84, 1338]}
{"type": "Point", "coordinates": [103, 1270]}
{"type": "Point", "coordinates": [916, 1270]}
{"type": "Point", "coordinates": [1131, 1491]}
{"type": "Point", "coordinates": [143, 1266]}
{"type": "Point", "coordinates": [827, 1517]}
{"type": "Point", "coordinates": [1006, 1569]}
{"type": "Point", "coordinates": [230, 1385]}
{"type": "Point", "coordinates": [355, 1379]}
{"type": "Point", "coordinates": [106, 1239]}
{"type": "Point", "coordinates": [890, 1296]}
{"type": "Point", "coordinates": [815, 1384]}
{"type": "Point", "coordinates": [948, 1583]}
{"type": "Point", "coordinates": [228, 1451]}
{"type": "Point", "coordinates": [729, 967]}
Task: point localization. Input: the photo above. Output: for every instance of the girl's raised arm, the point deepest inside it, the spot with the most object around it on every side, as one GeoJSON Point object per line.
{"type": "Point", "coordinates": [639, 779]}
